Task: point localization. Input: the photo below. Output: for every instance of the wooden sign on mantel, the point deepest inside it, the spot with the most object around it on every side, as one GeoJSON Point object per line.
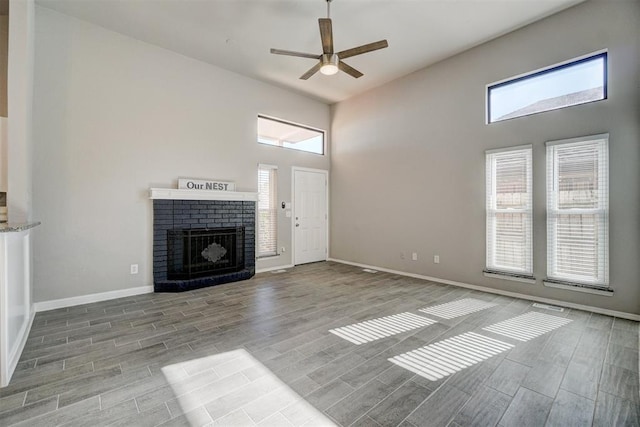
{"type": "Point", "coordinates": [205, 184]}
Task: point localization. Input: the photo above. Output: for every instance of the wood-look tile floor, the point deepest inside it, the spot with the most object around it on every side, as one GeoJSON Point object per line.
{"type": "Point", "coordinates": [259, 352]}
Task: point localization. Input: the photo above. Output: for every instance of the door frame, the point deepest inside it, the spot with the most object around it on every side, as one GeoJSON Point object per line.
{"type": "Point", "coordinates": [293, 205]}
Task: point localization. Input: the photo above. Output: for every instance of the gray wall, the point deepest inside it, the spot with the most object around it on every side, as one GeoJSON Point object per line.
{"type": "Point", "coordinates": [20, 85]}
{"type": "Point", "coordinates": [408, 157]}
{"type": "Point", "coordinates": [4, 59]}
{"type": "Point", "coordinates": [114, 116]}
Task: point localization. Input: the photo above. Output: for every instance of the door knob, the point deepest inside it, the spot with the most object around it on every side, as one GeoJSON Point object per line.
{"type": "Point", "coordinates": [297, 225]}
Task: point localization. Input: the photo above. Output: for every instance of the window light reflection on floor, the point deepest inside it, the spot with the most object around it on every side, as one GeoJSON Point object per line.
{"type": "Point", "coordinates": [234, 388]}
{"type": "Point", "coordinates": [451, 355]}
{"type": "Point", "coordinates": [375, 329]}
{"type": "Point", "coordinates": [458, 308]}
{"type": "Point", "coordinates": [527, 326]}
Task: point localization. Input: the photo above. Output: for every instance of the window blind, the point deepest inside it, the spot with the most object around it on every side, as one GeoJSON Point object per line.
{"type": "Point", "coordinates": [578, 210]}
{"type": "Point", "coordinates": [267, 210]}
{"type": "Point", "coordinates": [509, 210]}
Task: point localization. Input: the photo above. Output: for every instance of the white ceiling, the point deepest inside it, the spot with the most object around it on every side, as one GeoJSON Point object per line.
{"type": "Point", "coordinates": [237, 34]}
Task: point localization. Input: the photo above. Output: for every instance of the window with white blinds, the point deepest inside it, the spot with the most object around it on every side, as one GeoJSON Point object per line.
{"type": "Point", "coordinates": [267, 211]}
{"type": "Point", "coordinates": [509, 211]}
{"type": "Point", "coordinates": [578, 211]}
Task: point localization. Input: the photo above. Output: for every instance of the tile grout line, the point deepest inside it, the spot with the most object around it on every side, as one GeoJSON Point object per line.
{"type": "Point", "coordinates": [135, 400]}
{"type": "Point", "coordinates": [604, 362]}
{"type": "Point", "coordinates": [396, 389]}
{"type": "Point", "coordinates": [429, 397]}
{"type": "Point", "coordinates": [571, 358]}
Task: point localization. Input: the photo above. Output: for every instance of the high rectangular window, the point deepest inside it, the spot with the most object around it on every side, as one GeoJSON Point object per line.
{"type": "Point", "coordinates": [575, 82]}
{"type": "Point", "coordinates": [578, 211]}
{"type": "Point", "coordinates": [289, 135]}
{"type": "Point", "coordinates": [509, 211]}
{"type": "Point", "coordinates": [267, 211]}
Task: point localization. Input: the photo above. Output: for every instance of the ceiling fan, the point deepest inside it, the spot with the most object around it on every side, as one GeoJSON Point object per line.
{"type": "Point", "coordinates": [329, 61]}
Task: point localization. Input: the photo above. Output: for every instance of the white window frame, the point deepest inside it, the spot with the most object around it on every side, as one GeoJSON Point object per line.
{"type": "Point", "coordinates": [523, 272]}
{"type": "Point", "coordinates": [600, 212]}
{"type": "Point", "coordinates": [280, 144]}
{"type": "Point", "coordinates": [267, 205]}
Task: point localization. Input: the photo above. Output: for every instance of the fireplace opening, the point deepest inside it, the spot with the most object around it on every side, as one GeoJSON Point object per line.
{"type": "Point", "coordinates": [193, 253]}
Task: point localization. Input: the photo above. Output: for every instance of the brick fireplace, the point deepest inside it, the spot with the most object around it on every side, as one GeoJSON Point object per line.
{"type": "Point", "coordinates": [202, 242]}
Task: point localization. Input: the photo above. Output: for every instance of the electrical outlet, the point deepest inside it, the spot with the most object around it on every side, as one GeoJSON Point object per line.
{"type": "Point", "coordinates": [283, 249]}
{"type": "Point", "coordinates": [401, 255]}
{"type": "Point", "coordinates": [134, 268]}
{"type": "Point", "coordinates": [436, 259]}
{"type": "Point", "coordinates": [414, 256]}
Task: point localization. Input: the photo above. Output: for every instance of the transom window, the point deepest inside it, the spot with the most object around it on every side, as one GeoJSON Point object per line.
{"type": "Point", "coordinates": [575, 82]}
{"type": "Point", "coordinates": [288, 135]}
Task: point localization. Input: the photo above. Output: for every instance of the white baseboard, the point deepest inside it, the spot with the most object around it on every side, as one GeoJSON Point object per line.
{"type": "Point", "coordinates": [16, 351]}
{"type": "Point", "coordinates": [620, 314]}
{"type": "Point", "coordinates": [279, 267]}
{"type": "Point", "coordinates": [87, 299]}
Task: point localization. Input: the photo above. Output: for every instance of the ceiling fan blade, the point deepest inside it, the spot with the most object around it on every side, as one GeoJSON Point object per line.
{"type": "Point", "coordinates": [326, 35]}
{"type": "Point", "coordinates": [292, 53]}
{"type": "Point", "coordinates": [311, 71]}
{"type": "Point", "coordinates": [349, 70]}
{"type": "Point", "coordinates": [363, 49]}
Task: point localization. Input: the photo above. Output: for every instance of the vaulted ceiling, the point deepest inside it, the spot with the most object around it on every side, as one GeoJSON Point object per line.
{"type": "Point", "coordinates": [237, 34]}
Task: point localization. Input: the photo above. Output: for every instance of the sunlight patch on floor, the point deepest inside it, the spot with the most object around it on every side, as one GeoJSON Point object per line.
{"type": "Point", "coordinates": [234, 388]}
{"type": "Point", "coordinates": [375, 329]}
{"type": "Point", "coordinates": [458, 308]}
{"type": "Point", "coordinates": [527, 326]}
{"type": "Point", "coordinates": [438, 360]}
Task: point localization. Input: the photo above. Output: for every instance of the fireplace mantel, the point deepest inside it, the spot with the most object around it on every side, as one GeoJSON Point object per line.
{"type": "Point", "coordinates": [176, 194]}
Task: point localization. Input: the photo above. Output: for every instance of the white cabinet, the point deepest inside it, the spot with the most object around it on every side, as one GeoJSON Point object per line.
{"type": "Point", "coordinates": [15, 295]}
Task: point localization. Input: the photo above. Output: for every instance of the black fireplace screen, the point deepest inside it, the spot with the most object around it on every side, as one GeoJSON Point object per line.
{"type": "Point", "coordinates": [193, 253]}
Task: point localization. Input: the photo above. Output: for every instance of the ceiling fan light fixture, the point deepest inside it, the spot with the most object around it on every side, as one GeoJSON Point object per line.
{"type": "Point", "coordinates": [329, 64]}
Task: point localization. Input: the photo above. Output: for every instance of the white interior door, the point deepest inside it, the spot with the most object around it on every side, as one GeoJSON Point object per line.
{"type": "Point", "coordinates": [310, 215]}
